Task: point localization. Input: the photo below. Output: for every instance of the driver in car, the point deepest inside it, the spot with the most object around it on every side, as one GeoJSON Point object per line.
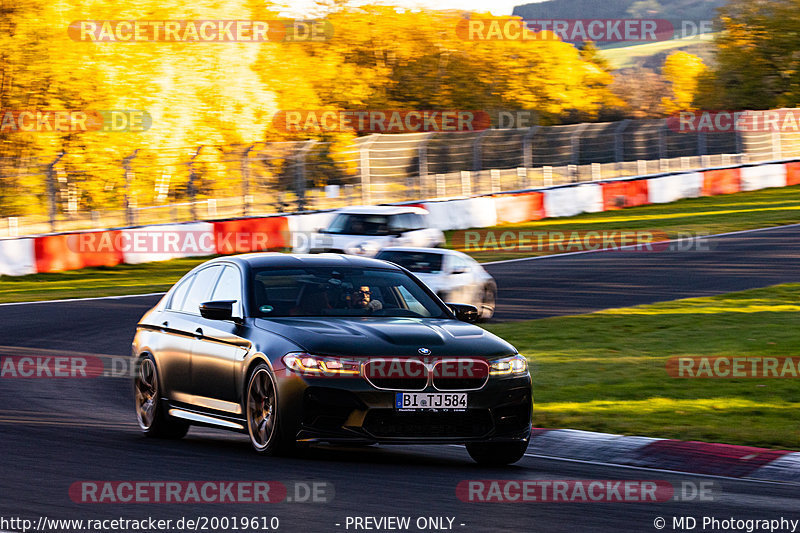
{"type": "Point", "coordinates": [361, 298]}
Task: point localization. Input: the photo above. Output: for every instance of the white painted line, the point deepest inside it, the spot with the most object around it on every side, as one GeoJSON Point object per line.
{"type": "Point", "coordinates": [713, 235]}
{"type": "Point", "coordinates": [70, 300]}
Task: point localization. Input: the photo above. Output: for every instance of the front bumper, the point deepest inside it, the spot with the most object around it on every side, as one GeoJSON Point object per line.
{"type": "Point", "coordinates": [349, 410]}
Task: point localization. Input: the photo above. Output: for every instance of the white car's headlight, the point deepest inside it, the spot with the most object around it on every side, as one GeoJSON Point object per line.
{"type": "Point", "coordinates": [516, 364]}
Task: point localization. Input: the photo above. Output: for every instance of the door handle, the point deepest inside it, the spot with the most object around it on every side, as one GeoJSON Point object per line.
{"type": "Point", "coordinates": [165, 324]}
{"type": "Point", "coordinates": [198, 332]}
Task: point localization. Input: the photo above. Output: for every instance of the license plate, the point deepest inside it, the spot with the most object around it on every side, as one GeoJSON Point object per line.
{"type": "Point", "coordinates": [433, 400]}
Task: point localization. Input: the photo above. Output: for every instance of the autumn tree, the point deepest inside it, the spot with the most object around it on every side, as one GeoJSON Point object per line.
{"type": "Point", "coordinates": [682, 71]}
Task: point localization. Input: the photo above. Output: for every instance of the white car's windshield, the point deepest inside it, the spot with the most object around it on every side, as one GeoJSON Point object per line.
{"type": "Point", "coordinates": [358, 224]}
{"type": "Point", "coordinates": [418, 262]}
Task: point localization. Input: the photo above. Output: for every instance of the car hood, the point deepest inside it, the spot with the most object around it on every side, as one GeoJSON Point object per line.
{"type": "Point", "coordinates": [386, 336]}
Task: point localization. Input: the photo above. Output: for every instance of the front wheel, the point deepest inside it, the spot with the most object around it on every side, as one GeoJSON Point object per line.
{"type": "Point", "coordinates": [497, 453]}
{"type": "Point", "coordinates": [263, 422]}
{"type": "Point", "coordinates": [152, 417]}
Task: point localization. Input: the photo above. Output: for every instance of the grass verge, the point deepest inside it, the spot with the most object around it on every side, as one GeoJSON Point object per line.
{"type": "Point", "coordinates": [606, 372]}
{"type": "Point", "coordinates": [707, 215]}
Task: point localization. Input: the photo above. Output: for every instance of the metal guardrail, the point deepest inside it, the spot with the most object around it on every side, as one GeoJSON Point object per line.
{"type": "Point", "coordinates": [174, 185]}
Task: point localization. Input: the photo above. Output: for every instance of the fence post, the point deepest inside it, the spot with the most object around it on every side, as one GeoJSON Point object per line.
{"type": "Point", "coordinates": [575, 146]}
{"type": "Point", "coordinates": [423, 165]}
{"type": "Point", "coordinates": [192, 188]}
{"type": "Point", "coordinates": [51, 190]}
{"type": "Point", "coordinates": [245, 166]}
{"type": "Point", "coordinates": [477, 163]}
{"type": "Point", "coordinates": [466, 183]}
{"type": "Point", "coordinates": [126, 165]}
{"type": "Point", "coordinates": [619, 144]}
{"type": "Point", "coordinates": [441, 186]}
{"type": "Point", "coordinates": [364, 168]}
{"type": "Point", "coordinates": [494, 175]}
{"type": "Point", "coordinates": [776, 144]}
{"type": "Point", "coordinates": [300, 174]}
{"type": "Point", "coordinates": [596, 172]}
{"type": "Point", "coordinates": [527, 153]}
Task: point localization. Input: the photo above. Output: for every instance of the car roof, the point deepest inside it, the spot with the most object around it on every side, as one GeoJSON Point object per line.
{"type": "Point", "coordinates": [286, 260]}
{"type": "Point", "coordinates": [382, 210]}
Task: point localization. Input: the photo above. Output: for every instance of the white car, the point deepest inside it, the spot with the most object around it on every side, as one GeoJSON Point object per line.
{"type": "Point", "coordinates": [365, 230]}
{"type": "Point", "coordinates": [455, 277]}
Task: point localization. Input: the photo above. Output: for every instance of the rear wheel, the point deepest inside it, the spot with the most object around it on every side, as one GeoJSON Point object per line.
{"type": "Point", "coordinates": [497, 453]}
{"type": "Point", "coordinates": [263, 422]}
{"type": "Point", "coordinates": [153, 419]}
{"type": "Point", "coordinates": [488, 303]}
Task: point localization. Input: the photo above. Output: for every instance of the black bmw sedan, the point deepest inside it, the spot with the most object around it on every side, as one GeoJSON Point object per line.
{"type": "Point", "coordinates": [294, 349]}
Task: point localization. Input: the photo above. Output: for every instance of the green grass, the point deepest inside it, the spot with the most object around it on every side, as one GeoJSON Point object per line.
{"type": "Point", "coordinates": [102, 281]}
{"type": "Point", "coordinates": [716, 214]}
{"type": "Point", "coordinates": [605, 371]}
{"type": "Point", "coordinates": [707, 215]}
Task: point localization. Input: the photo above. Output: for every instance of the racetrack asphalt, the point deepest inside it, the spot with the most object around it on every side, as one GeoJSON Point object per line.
{"type": "Point", "coordinates": [54, 432]}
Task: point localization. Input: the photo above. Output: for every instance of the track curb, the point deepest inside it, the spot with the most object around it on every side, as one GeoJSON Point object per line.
{"type": "Point", "coordinates": [726, 460]}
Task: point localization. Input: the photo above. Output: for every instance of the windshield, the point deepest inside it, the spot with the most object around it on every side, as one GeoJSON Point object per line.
{"type": "Point", "coordinates": [359, 225]}
{"type": "Point", "coordinates": [419, 262]}
{"type": "Point", "coordinates": [341, 292]}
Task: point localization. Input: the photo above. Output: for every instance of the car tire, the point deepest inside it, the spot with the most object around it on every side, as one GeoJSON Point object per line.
{"type": "Point", "coordinates": [264, 426]}
{"type": "Point", "coordinates": [497, 453]}
{"type": "Point", "coordinates": [488, 303]}
{"type": "Point", "coordinates": [150, 413]}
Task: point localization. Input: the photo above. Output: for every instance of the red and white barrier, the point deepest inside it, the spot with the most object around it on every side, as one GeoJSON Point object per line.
{"type": "Point", "coordinates": [619, 194]}
{"type": "Point", "coordinates": [72, 251]}
{"type": "Point", "coordinates": [516, 208]}
{"type": "Point", "coordinates": [462, 214]}
{"type": "Point", "coordinates": [302, 226]}
{"type": "Point", "coordinates": [573, 200]}
{"type": "Point", "coordinates": [17, 257]}
{"type": "Point", "coordinates": [52, 253]}
{"type": "Point", "coordinates": [167, 241]}
{"type": "Point", "coordinates": [665, 189]}
{"type": "Point", "coordinates": [721, 181]}
{"type": "Point", "coordinates": [763, 176]}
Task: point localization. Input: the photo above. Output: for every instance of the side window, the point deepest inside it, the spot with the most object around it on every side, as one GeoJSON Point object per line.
{"type": "Point", "coordinates": [397, 223]}
{"type": "Point", "coordinates": [204, 282]}
{"type": "Point", "coordinates": [176, 302]}
{"type": "Point", "coordinates": [417, 221]}
{"type": "Point", "coordinates": [229, 287]}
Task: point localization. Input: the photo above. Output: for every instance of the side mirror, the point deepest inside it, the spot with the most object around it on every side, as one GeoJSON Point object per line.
{"type": "Point", "coordinates": [464, 312]}
{"type": "Point", "coordinates": [217, 310]}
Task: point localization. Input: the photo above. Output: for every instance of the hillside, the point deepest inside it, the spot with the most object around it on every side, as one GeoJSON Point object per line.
{"type": "Point", "coordinates": [673, 10]}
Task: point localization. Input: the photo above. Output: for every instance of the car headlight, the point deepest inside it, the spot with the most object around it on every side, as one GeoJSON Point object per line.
{"type": "Point", "coordinates": [304, 363]}
{"type": "Point", "coordinates": [516, 364]}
